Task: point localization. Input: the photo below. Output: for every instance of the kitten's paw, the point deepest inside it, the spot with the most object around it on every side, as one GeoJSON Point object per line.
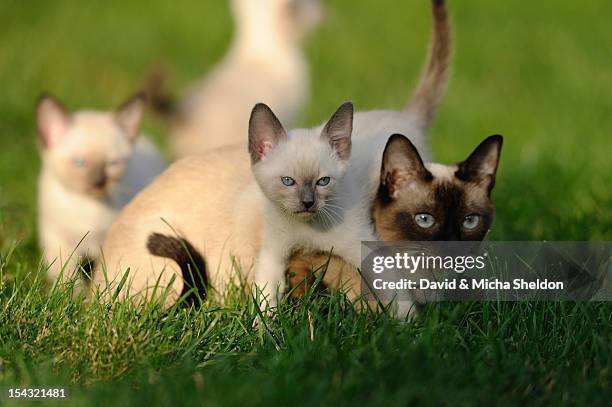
{"type": "Point", "coordinates": [260, 320]}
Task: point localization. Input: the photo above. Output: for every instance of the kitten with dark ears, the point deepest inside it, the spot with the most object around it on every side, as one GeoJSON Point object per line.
{"type": "Point", "coordinates": [213, 202]}
{"type": "Point", "coordinates": [93, 163]}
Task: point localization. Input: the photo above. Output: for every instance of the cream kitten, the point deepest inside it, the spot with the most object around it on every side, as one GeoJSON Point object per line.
{"type": "Point", "coordinates": [93, 163]}
{"type": "Point", "coordinates": [211, 202]}
{"type": "Point", "coordinates": [265, 63]}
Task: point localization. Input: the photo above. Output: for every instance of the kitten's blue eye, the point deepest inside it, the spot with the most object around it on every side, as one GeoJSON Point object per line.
{"type": "Point", "coordinates": [79, 162]}
{"type": "Point", "coordinates": [323, 181]}
{"type": "Point", "coordinates": [287, 181]}
{"type": "Point", "coordinates": [114, 162]}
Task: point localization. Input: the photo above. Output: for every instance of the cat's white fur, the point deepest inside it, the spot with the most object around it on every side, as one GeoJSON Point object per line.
{"type": "Point", "coordinates": [264, 63]}
{"type": "Point", "coordinates": [93, 164]}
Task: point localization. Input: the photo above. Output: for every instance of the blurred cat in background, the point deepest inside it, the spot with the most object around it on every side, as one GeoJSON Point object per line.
{"type": "Point", "coordinates": [93, 164]}
{"type": "Point", "coordinates": [265, 63]}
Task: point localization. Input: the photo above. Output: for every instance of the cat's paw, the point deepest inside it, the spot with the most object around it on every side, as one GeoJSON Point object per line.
{"type": "Point", "coordinates": [265, 315]}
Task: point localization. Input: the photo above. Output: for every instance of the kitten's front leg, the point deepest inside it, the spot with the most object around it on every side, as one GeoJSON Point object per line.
{"type": "Point", "coordinates": [270, 271]}
{"type": "Point", "coordinates": [63, 265]}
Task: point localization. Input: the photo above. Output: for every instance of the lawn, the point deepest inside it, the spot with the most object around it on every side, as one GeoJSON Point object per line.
{"type": "Point", "coordinates": [540, 73]}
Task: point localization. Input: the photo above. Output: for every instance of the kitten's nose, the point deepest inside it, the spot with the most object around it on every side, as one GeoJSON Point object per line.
{"type": "Point", "coordinates": [307, 204]}
{"type": "Point", "coordinates": [100, 181]}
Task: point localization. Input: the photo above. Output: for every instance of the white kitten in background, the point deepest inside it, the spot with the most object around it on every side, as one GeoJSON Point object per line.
{"type": "Point", "coordinates": [265, 63]}
{"type": "Point", "coordinates": [93, 164]}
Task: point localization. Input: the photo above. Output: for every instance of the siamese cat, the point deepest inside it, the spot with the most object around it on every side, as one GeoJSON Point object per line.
{"type": "Point", "coordinates": [264, 63]}
{"type": "Point", "coordinates": [93, 163]}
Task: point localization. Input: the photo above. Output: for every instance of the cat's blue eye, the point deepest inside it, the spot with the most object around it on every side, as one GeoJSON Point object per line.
{"type": "Point", "coordinates": [470, 222]}
{"type": "Point", "coordinates": [288, 181]}
{"type": "Point", "coordinates": [114, 163]}
{"type": "Point", "coordinates": [79, 162]}
{"type": "Point", "coordinates": [323, 181]}
{"type": "Point", "coordinates": [424, 220]}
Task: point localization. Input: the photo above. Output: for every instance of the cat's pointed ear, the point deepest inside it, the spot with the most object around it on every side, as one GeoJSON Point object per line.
{"type": "Point", "coordinates": [481, 165]}
{"type": "Point", "coordinates": [51, 120]}
{"type": "Point", "coordinates": [402, 165]}
{"type": "Point", "coordinates": [129, 115]}
{"type": "Point", "coordinates": [265, 132]}
{"type": "Point", "coordinates": [338, 130]}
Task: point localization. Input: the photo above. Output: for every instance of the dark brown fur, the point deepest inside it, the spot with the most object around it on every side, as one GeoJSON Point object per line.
{"type": "Point", "coordinates": [158, 99]}
{"type": "Point", "coordinates": [433, 81]}
{"type": "Point", "coordinates": [191, 262]}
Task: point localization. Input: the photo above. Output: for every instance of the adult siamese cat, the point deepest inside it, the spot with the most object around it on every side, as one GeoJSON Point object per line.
{"type": "Point", "coordinates": [93, 163]}
{"type": "Point", "coordinates": [265, 63]}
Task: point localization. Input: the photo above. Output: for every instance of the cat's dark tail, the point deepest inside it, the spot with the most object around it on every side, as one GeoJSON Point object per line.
{"type": "Point", "coordinates": [157, 97]}
{"type": "Point", "coordinates": [191, 262]}
{"type": "Point", "coordinates": [432, 84]}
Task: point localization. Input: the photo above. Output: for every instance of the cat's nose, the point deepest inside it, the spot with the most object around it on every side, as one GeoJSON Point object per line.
{"type": "Point", "coordinates": [308, 204]}
{"type": "Point", "coordinates": [100, 181]}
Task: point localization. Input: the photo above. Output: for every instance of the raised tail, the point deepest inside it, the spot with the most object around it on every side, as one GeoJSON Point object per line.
{"type": "Point", "coordinates": [191, 262]}
{"type": "Point", "coordinates": [434, 78]}
{"type": "Point", "coordinates": [158, 99]}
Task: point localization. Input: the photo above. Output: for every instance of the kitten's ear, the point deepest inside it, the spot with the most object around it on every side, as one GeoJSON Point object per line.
{"type": "Point", "coordinates": [401, 165]}
{"type": "Point", "coordinates": [338, 130]}
{"type": "Point", "coordinates": [129, 115]}
{"type": "Point", "coordinates": [265, 132]}
{"type": "Point", "coordinates": [51, 120]}
{"type": "Point", "coordinates": [481, 165]}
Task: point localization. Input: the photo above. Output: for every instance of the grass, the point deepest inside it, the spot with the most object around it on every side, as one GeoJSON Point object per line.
{"type": "Point", "coordinates": [538, 73]}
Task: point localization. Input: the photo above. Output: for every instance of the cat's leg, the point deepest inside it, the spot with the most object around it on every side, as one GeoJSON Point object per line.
{"type": "Point", "coordinates": [60, 256]}
{"type": "Point", "coordinates": [404, 309]}
{"type": "Point", "coordinates": [64, 265]}
{"type": "Point", "coordinates": [342, 276]}
{"type": "Point", "coordinates": [339, 275]}
{"type": "Point", "coordinates": [300, 272]}
{"type": "Point", "coordinates": [270, 270]}
{"type": "Point", "coordinates": [54, 262]}
{"type": "Point", "coordinates": [67, 257]}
